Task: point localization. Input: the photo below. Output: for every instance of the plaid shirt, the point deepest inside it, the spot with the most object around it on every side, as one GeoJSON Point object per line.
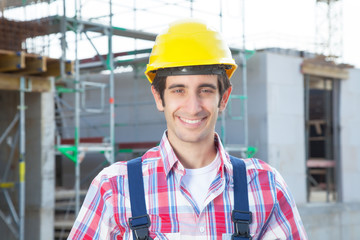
{"type": "Point", "coordinates": [173, 212]}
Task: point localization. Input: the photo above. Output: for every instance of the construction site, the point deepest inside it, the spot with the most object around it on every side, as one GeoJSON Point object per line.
{"type": "Point", "coordinates": [74, 99]}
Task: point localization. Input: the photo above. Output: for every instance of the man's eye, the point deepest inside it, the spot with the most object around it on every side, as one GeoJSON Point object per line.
{"type": "Point", "coordinates": [207, 90]}
{"type": "Point", "coordinates": [178, 91]}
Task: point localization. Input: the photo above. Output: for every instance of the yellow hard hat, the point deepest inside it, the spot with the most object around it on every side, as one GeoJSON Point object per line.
{"type": "Point", "coordinates": [189, 43]}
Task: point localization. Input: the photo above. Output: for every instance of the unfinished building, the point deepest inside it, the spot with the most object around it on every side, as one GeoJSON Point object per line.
{"type": "Point", "coordinates": [62, 121]}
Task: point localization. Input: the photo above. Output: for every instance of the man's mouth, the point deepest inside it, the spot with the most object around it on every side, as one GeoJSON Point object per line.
{"type": "Point", "coordinates": [191, 121]}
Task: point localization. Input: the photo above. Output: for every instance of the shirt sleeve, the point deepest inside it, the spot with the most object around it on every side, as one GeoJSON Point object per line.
{"type": "Point", "coordinates": [285, 221]}
{"type": "Point", "coordinates": [96, 217]}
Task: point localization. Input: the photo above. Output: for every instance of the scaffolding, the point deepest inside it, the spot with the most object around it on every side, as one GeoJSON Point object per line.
{"type": "Point", "coordinates": [19, 68]}
{"type": "Point", "coordinates": [23, 69]}
{"type": "Point", "coordinates": [329, 29]}
{"type": "Point", "coordinates": [15, 221]}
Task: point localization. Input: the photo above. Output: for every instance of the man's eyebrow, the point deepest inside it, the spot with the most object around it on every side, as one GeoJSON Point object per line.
{"type": "Point", "coordinates": [208, 85]}
{"type": "Point", "coordinates": [176, 86]}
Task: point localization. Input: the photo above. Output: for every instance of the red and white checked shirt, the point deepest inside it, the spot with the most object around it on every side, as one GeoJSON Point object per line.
{"type": "Point", "coordinates": [173, 212]}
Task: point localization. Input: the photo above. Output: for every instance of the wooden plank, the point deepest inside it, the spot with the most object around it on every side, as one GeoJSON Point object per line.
{"type": "Point", "coordinates": [320, 163]}
{"type": "Point", "coordinates": [324, 70]}
{"type": "Point", "coordinates": [53, 68]}
{"type": "Point", "coordinates": [11, 61]}
{"type": "Point", "coordinates": [34, 84]}
{"type": "Point", "coordinates": [71, 141]}
{"type": "Point", "coordinates": [34, 64]}
{"type": "Point", "coordinates": [24, 64]}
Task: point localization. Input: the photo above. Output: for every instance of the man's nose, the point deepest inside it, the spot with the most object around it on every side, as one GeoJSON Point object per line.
{"type": "Point", "coordinates": [193, 103]}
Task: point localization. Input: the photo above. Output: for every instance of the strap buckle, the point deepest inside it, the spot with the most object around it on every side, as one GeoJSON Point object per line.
{"type": "Point", "coordinates": [140, 226]}
{"type": "Point", "coordinates": [241, 221]}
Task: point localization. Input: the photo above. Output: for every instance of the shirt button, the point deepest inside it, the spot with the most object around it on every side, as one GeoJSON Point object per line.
{"type": "Point", "coordinates": [202, 229]}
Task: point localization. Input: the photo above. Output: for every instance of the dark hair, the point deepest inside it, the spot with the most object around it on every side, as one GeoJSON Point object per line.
{"type": "Point", "coordinates": [159, 84]}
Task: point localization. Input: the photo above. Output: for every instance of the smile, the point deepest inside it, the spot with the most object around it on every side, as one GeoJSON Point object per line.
{"type": "Point", "coordinates": [189, 121]}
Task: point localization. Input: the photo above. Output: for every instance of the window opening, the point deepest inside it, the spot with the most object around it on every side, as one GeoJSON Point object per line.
{"type": "Point", "coordinates": [320, 113]}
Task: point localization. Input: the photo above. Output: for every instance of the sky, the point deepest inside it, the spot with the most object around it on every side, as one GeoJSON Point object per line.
{"type": "Point", "coordinates": [276, 23]}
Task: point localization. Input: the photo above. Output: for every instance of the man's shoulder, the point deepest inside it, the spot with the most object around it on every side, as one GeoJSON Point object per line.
{"type": "Point", "coordinates": [263, 172]}
{"type": "Point", "coordinates": [119, 169]}
{"type": "Point", "coordinates": [257, 168]}
{"type": "Point", "coordinates": [114, 170]}
{"type": "Point", "coordinates": [257, 165]}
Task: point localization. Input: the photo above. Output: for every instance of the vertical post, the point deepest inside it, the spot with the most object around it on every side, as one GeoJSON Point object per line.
{"type": "Point", "coordinates": [337, 150]}
{"type": "Point", "coordinates": [111, 86]}
{"type": "Point", "coordinates": [220, 16]}
{"type": "Point", "coordinates": [63, 42]}
{"type": "Point", "coordinates": [22, 161]}
{"type": "Point", "coordinates": [244, 79]}
{"type": "Point", "coordinates": [77, 113]}
{"type": "Point", "coordinates": [328, 89]}
{"type": "Point", "coordinates": [136, 82]}
{"type": "Point", "coordinates": [307, 131]}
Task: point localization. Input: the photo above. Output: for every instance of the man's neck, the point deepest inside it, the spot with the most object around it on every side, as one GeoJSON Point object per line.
{"type": "Point", "coordinates": [195, 155]}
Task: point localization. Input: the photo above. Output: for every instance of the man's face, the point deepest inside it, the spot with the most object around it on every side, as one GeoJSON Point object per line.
{"type": "Point", "coordinates": [191, 107]}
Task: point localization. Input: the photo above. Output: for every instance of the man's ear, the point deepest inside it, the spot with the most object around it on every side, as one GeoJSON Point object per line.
{"type": "Point", "coordinates": [158, 100]}
{"type": "Point", "coordinates": [225, 99]}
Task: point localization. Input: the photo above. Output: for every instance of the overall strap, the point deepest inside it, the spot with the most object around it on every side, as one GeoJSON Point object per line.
{"type": "Point", "coordinates": [139, 222]}
{"type": "Point", "coordinates": [241, 216]}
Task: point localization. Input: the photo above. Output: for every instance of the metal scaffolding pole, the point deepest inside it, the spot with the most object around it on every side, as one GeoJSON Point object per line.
{"type": "Point", "coordinates": [78, 150]}
{"type": "Point", "coordinates": [244, 78]}
{"type": "Point", "coordinates": [22, 161]}
{"type": "Point", "coordinates": [242, 148]}
{"type": "Point", "coordinates": [77, 112]}
{"type": "Point", "coordinates": [111, 88]}
{"type": "Point", "coordinates": [63, 42]}
{"type": "Point", "coordinates": [13, 216]}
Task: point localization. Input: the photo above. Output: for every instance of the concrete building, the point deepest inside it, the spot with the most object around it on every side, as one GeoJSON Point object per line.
{"type": "Point", "coordinates": [277, 115]}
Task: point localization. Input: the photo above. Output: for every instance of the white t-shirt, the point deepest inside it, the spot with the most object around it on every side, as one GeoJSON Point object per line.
{"type": "Point", "coordinates": [198, 181]}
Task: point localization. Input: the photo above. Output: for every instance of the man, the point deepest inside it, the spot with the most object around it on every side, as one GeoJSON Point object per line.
{"type": "Point", "coordinates": [188, 179]}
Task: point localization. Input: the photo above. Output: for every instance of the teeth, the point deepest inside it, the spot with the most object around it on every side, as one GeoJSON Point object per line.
{"type": "Point", "coordinates": [191, 121]}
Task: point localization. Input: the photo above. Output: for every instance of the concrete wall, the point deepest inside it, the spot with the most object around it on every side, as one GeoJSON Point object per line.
{"type": "Point", "coordinates": [276, 116]}
{"type": "Point", "coordinates": [331, 221]}
{"type": "Point", "coordinates": [342, 220]}
{"type": "Point", "coordinates": [257, 104]}
{"type": "Point", "coordinates": [40, 167]}
{"type": "Point", "coordinates": [349, 134]}
{"type": "Point", "coordinates": [276, 127]}
{"type": "Point", "coordinates": [136, 116]}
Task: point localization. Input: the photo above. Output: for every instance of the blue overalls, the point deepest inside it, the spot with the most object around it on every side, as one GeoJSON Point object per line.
{"type": "Point", "coordinates": [140, 220]}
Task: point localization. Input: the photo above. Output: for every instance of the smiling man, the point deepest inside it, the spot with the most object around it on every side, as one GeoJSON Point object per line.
{"type": "Point", "coordinates": [189, 187]}
{"type": "Point", "coordinates": [191, 104]}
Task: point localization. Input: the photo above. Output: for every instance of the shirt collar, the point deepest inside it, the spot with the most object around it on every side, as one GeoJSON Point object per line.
{"type": "Point", "coordinates": [171, 162]}
{"type": "Point", "coordinates": [168, 155]}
